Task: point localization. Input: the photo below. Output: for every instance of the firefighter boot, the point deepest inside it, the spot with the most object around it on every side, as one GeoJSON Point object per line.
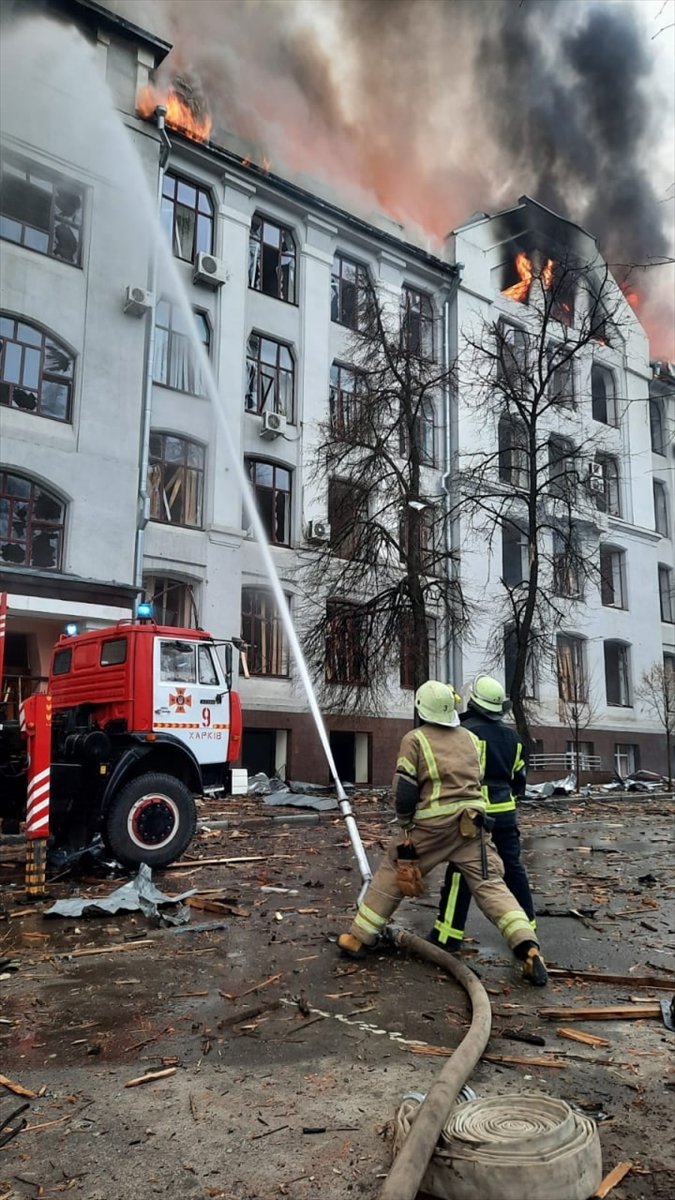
{"type": "Point", "coordinates": [534, 967]}
{"type": "Point", "coordinates": [451, 945]}
{"type": "Point", "coordinates": [351, 946]}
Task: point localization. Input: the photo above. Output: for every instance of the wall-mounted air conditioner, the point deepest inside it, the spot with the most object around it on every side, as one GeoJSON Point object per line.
{"type": "Point", "coordinates": [137, 301]}
{"type": "Point", "coordinates": [209, 270]}
{"type": "Point", "coordinates": [596, 477]}
{"type": "Point", "coordinates": [318, 531]}
{"type": "Point", "coordinates": [273, 425]}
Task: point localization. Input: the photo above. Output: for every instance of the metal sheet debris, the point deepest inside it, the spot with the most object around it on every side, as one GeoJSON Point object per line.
{"type": "Point", "coordinates": [137, 895]}
{"type": "Point", "coordinates": [320, 803]}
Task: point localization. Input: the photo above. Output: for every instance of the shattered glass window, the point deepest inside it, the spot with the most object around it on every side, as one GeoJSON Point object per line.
{"type": "Point", "coordinates": [174, 359]}
{"type": "Point", "coordinates": [175, 480]}
{"type": "Point", "coordinates": [349, 293]}
{"type": "Point", "coordinates": [36, 371]}
{"type": "Point", "coordinates": [262, 630]}
{"type": "Point", "coordinates": [271, 259]}
{"type": "Point", "coordinates": [31, 524]}
{"type": "Point", "coordinates": [346, 644]}
{"type": "Point", "coordinates": [270, 377]}
{"type": "Point", "coordinates": [417, 323]}
{"type": "Point", "coordinates": [41, 211]}
{"type": "Point", "coordinates": [187, 217]}
{"type": "Point", "coordinates": [272, 491]}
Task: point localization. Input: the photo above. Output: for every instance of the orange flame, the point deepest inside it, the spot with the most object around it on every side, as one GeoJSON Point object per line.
{"type": "Point", "coordinates": [521, 290]}
{"type": "Point", "coordinates": [631, 294]}
{"type": "Point", "coordinates": [179, 115]}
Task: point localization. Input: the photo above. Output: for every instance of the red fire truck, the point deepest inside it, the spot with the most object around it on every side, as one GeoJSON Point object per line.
{"type": "Point", "coordinates": [136, 721]}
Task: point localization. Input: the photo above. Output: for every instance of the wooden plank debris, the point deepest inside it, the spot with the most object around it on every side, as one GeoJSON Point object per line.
{"type": "Point", "coordinates": [577, 1035]}
{"type": "Point", "coordinates": [614, 1012]}
{"type": "Point", "coordinates": [185, 864]}
{"type": "Point", "coordinates": [150, 1077]}
{"type": "Point", "coordinates": [610, 1181]}
{"type": "Point", "coordinates": [17, 1088]}
{"type": "Point", "coordinates": [647, 981]}
{"type": "Point", "coordinates": [256, 988]}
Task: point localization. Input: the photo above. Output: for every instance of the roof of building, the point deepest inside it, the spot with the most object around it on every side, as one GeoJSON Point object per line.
{"type": "Point", "coordinates": [93, 15]}
{"type": "Point", "coordinates": [525, 202]}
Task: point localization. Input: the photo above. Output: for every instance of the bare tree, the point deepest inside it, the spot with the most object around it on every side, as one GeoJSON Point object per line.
{"type": "Point", "coordinates": [541, 471]}
{"type": "Point", "coordinates": [657, 691]}
{"type": "Point", "coordinates": [380, 589]}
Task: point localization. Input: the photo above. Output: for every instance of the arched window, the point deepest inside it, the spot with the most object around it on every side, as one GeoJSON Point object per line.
{"type": "Point", "coordinates": [173, 600]}
{"type": "Point", "coordinates": [175, 479]}
{"type": "Point", "coordinates": [31, 524]}
{"type": "Point", "coordinates": [603, 395]}
{"type": "Point", "coordinates": [271, 259]}
{"type": "Point", "coordinates": [36, 371]}
{"type": "Point", "coordinates": [656, 427]}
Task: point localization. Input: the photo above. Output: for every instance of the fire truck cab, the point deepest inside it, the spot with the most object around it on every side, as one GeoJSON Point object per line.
{"type": "Point", "coordinates": [143, 719]}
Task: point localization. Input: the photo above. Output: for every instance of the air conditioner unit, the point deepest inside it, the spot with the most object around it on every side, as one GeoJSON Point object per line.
{"type": "Point", "coordinates": [596, 477]}
{"type": "Point", "coordinates": [273, 425]}
{"type": "Point", "coordinates": [137, 302]}
{"type": "Point", "coordinates": [318, 531]}
{"type": "Point", "coordinates": [209, 270]}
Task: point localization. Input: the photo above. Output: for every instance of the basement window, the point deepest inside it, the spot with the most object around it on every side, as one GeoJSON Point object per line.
{"type": "Point", "coordinates": [36, 371]}
{"type": "Point", "coordinates": [263, 631]}
{"type": "Point", "coordinates": [617, 674]}
{"type": "Point", "coordinates": [31, 524]}
{"type": "Point", "coordinates": [271, 259]}
{"type": "Point", "coordinates": [41, 211]}
{"type": "Point", "coordinates": [175, 480]}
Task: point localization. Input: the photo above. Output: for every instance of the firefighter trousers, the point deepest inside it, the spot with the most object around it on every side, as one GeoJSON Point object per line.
{"type": "Point", "coordinates": [455, 895]}
{"type": "Point", "coordinates": [442, 842]}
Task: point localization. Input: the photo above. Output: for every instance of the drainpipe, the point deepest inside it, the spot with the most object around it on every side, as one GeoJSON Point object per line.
{"type": "Point", "coordinates": [454, 659]}
{"type": "Point", "coordinates": [143, 498]}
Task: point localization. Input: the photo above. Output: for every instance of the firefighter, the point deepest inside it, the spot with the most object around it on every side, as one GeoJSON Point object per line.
{"type": "Point", "coordinates": [440, 807]}
{"type": "Point", "coordinates": [503, 770]}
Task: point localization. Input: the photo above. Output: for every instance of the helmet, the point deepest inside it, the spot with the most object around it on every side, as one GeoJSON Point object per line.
{"type": "Point", "coordinates": [487, 693]}
{"type": "Point", "coordinates": [435, 703]}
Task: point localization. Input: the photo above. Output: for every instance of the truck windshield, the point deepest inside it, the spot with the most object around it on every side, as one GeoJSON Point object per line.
{"type": "Point", "coordinates": [177, 662]}
{"type": "Point", "coordinates": [207, 667]}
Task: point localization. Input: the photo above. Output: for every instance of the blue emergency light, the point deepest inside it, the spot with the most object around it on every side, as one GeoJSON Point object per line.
{"type": "Point", "coordinates": [71, 629]}
{"type": "Point", "coordinates": [144, 610]}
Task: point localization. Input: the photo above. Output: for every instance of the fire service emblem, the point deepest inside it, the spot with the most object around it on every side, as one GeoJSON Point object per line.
{"type": "Point", "coordinates": [179, 701]}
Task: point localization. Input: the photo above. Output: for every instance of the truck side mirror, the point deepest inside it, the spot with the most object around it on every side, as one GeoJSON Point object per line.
{"type": "Point", "coordinates": [228, 664]}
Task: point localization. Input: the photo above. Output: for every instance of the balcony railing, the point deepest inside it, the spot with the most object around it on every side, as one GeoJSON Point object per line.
{"type": "Point", "coordinates": [565, 762]}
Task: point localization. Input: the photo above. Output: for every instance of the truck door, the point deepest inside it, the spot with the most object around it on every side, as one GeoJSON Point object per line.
{"type": "Point", "coordinates": [190, 697]}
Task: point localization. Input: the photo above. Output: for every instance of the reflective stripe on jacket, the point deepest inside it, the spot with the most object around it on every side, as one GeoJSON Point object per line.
{"type": "Point", "coordinates": [445, 763]}
{"type": "Point", "coordinates": [503, 765]}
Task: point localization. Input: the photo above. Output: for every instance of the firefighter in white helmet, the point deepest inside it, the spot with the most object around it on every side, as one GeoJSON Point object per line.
{"type": "Point", "coordinates": [440, 806]}
{"type": "Point", "coordinates": [503, 771]}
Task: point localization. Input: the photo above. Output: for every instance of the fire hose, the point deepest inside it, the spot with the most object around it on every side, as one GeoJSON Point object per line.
{"type": "Point", "coordinates": [498, 1148]}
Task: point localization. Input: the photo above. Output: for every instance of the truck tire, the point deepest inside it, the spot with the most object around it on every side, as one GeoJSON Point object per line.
{"type": "Point", "coordinates": [152, 820]}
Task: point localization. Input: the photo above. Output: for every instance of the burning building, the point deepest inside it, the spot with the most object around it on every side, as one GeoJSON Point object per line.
{"type": "Point", "coordinates": [106, 425]}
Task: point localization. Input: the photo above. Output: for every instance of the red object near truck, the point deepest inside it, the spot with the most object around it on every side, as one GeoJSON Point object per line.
{"type": "Point", "coordinates": [138, 720]}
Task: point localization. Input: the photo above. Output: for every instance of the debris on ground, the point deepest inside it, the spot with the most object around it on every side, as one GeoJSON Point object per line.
{"type": "Point", "coordinates": [137, 895]}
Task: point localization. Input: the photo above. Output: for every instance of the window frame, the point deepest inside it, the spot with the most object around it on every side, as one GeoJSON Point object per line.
{"type": "Point", "coordinates": [256, 268]}
{"type": "Point", "coordinates": [251, 463]}
{"type": "Point", "coordinates": [409, 296]}
{"type": "Point", "coordinates": [623, 673]}
{"type": "Point", "coordinates": [175, 337]}
{"type": "Point", "coordinates": [189, 473]}
{"type": "Point", "coordinates": [513, 453]}
{"type": "Point", "coordinates": [32, 523]}
{"type": "Point", "coordinates": [562, 483]}
{"type": "Point", "coordinates": [666, 599]}
{"type": "Point", "coordinates": [609, 583]}
{"type": "Point", "coordinates": [55, 181]}
{"type": "Point", "coordinates": [514, 535]}
{"type": "Point", "coordinates": [271, 626]}
{"type": "Point", "coordinates": [565, 554]}
{"type": "Point", "coordinates": [575, 646]}
{"type": "Point", "coordinates": [344, 633]}
{"type": "Point", "coordinates": [341, 400]}
{"type": "Point", "coordinates": [611, 486]}
{"type": "Point", "coordinates": [170, 204]}
{"type": "Point", "coordinates": [45, 375]}
{"type": "Point", "coordinates": [157, 590]}
{"type": "Point", "coordinates": [361, 286]}
{"type": "Point", "coordinates": [661, 518]}
{"type": "Point", "coordinates": [611, 418]}
{"type": "Point", "coordinates": [657, 426]}
{"type": "Point", "coordinates": [257, 369]}
{"type": "Point", "coordinates": [347, 517]}
{"type": "Point", "coordinates": [626, 750]}
{"type": "Point", "coordinates": [561, 384]}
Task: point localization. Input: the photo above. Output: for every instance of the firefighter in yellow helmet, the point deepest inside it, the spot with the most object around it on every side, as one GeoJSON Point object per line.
{"type": "Point", "coordinates": [440, 806]}
{"type": "Point", "coordinates": [503, 770]}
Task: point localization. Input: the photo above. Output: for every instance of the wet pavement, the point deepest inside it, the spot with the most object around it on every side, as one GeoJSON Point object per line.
{"type": "Point", "coordinates": [265, 1033]}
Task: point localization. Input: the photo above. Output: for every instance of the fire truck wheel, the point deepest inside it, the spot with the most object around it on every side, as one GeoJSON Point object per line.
{"type": "Point", "coordinates": [151, 820]}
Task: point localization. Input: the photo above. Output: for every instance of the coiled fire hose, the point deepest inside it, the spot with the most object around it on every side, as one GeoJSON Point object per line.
{"type": "Point", "coordinates": [498, 1148]}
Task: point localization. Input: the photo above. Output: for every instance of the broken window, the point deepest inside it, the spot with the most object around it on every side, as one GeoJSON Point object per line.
{"type": "Point", "coordinates": [175, 365]}
{"type": "Point", "coordinates": [617, 674]}
{"type": "Point", "coordinates": [512, 357]}
{"type": "Point", "coordinates": [270, 373]}
{"type": "Point", "coordinates": [172, 600]}
{"type": "Point", "coordinates": [348, 519]}
{"type": "Point", "coordinates": [571, 664]}
{"type": "Point", "coordinates": [31, 524]}
{"type": "Point", "coordinates": [424, 517]}
{"type": "Point", "coordinates": [657, 427]}
{"type": "Point", "coordinates": [263, 631]}
{"type": "Point", "coordinates": [666, 594]}
{"type": "Point", "coordinates": [347, 394]}
{"type": "Point", "coordinates": [514, 460]}
{"type": "Point", "coordinates": [346, 643]}
{"type": "Point", "coordinates": [177, 662]}
{"type": "Point", "coordinates": [349, 290]}
{"type": "Point", "coordinates": [603, 395]}
{"type": "Point", "coordinates": [424, 431]}
{"type": "Point", "coordinates": [515, 554]}
{"type": "Point", "coordinates": [187, 217]}
{"type": "Point", "coordinates": [561, 375]}
{"type": "Point", "coordinates": [36, 371]}
{"type": "Point", "coordinates": [661, 523]}
{"type": "Point", "coordinates": [562, 470]}
{"type": "Point", "coordinates": [271, 259]}
{"type": "Point", "coordinates": [40, 210]}
{"type": "Point", "coordinates": [608, 498]}
{"type": "Point", "coordinates": [510, 655]}
{"type": "Point", "coordinates": [175, 479]}
{"type": "Point", "coordinates": [626, 758]}
{"type": "Point", "coordinates": [417, 322]}
{"type": "Point", "coordinates": [566, 560]}
{"type": "Point", "coordinates": [408, 652]}
{"type": "Point", "coordinates": [272, 492]}
{"type": "Point", "coordinates": [613, 577]}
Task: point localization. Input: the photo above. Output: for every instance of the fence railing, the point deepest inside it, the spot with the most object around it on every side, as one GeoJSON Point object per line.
{"type": "Point", "coordinates": [565, 762]}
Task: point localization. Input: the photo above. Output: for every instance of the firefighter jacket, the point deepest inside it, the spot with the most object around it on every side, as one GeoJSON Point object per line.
{"type": "Point", "coordinates": [502, 763]}
{"type": "Point", "coordinates": [444, 762]}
